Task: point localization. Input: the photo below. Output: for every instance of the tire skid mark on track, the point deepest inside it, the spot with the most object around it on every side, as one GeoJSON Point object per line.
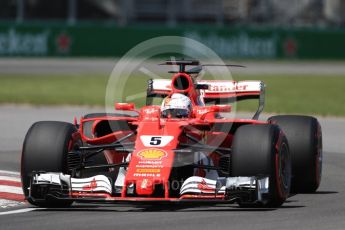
{"type": "Point", "coordinates": [11, 194]}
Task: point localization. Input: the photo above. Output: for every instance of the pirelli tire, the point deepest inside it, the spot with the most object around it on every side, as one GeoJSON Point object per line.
{"type": "Point", "coordinates": [46, 146]}
{"type": "Point", "coordinates": [304, 135]}
{"type": "Point", "coordinates": [262, 150]}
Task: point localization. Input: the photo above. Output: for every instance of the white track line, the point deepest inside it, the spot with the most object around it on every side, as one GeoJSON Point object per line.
{"type": "Point", "coordinates": [16, 179]}
{"type": "Point", "coordinates": [9, 172]}
{"type": "Point", "coordinates": [19, 211]}
{"type": "Point", "coordinates": [11, 189]}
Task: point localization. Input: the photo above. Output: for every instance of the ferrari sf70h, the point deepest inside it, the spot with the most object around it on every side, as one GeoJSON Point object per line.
{"type": "Point", "coordinates": [187, 149]}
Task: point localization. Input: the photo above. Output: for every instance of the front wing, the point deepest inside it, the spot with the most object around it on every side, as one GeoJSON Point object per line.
{"type": "Point", "coordinates": [195, 189]}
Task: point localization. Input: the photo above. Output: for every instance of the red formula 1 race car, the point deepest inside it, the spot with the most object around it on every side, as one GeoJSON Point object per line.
{"type": "Point", "coordinates": [184, 150]}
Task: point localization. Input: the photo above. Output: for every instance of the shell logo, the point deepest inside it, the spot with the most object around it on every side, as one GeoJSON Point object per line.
{"type": "Point", "coordinates": [152, 154]}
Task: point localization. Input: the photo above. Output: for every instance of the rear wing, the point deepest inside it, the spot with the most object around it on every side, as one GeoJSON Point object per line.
{"type": "Point", "coordinates": [215, 91]}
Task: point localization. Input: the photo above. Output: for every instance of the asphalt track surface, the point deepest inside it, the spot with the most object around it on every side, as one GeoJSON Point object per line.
{"type": "Point", "coordinates": [324, 209]}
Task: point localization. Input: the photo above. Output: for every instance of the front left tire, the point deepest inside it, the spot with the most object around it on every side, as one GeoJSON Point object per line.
{"type": "Point", "coordinates": [46, 148]}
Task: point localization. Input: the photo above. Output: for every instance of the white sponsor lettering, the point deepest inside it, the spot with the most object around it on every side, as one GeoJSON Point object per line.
{"type": "Point", "coordinates": [231, 86]}
{"type": "Point", "coordinates": [238, 45]}
{"type": "Point", "coordinates": [13, 42]}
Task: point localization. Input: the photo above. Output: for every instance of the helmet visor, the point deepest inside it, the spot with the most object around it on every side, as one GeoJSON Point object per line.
{"type": "Point", "coordinates": [175, 113]}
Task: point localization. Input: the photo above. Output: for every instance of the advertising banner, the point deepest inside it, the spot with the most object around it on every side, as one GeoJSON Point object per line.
{"type": "Point", "coordinates": [60, 40]}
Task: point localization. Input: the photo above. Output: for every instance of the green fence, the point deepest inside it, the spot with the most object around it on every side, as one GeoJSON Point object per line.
{"type": "Point", "coordinates": [110, 41]}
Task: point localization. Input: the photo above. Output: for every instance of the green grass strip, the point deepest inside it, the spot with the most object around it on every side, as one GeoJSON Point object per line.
{"type": "Point", "coordinates": [302, 94]}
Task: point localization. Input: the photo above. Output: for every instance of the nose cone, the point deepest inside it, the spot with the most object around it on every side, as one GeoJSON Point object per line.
{"type": "Point", "coordinates": [145, 187]}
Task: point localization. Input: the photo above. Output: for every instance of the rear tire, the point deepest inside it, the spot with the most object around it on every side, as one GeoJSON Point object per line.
{"type": "Point", "coordinates": [305, 140]}
{"type": "Point", "coordinates": [263, 150]}
{"type": "Point", "coordinates": [45, 149]}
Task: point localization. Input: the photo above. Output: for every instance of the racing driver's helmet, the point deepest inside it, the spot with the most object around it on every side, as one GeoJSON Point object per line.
{"type": "Point", "coordinates": [176, 106]}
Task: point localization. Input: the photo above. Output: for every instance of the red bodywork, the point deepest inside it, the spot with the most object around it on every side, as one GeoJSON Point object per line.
{"type": "Point", "coordinates": [152, 162]}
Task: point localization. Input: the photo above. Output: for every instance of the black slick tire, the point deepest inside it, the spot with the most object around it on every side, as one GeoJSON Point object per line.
{"type": "Point", "coordinates": [262, 150]}
{"type": "Point", "coordinates": [305, 141]}
{"type": "Point", "coordinates": [45, 149]}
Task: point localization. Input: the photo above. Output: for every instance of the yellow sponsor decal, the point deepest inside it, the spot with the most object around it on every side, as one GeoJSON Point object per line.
{"type": "Point", "coordinates": [152, 154]}
{"type": "Point", "coordinates": [148, 170]}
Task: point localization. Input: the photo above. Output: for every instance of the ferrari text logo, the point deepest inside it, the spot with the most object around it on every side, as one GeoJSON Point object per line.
{"type": "Point", "coordinates": [152, 154]}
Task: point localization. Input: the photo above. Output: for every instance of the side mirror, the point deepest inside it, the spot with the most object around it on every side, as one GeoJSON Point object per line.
{"type": "Point", "coordinates": [221, 108]}
{"type": "Point", "coordinates": [125, 106]}
{"type": "Point", "coordinates": [202, 112]}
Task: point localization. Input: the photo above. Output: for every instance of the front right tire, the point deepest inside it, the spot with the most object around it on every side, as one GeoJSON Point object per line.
{"type": "Point", "coordinates": [262, 150]}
